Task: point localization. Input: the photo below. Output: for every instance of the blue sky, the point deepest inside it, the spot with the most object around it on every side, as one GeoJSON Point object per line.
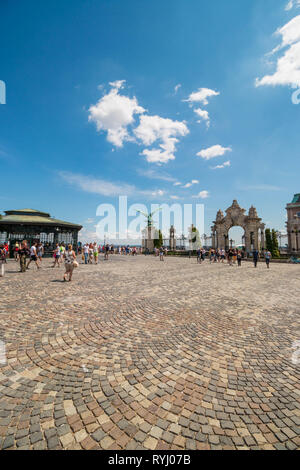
{"type": "Point", "coordinates": [118, 97]}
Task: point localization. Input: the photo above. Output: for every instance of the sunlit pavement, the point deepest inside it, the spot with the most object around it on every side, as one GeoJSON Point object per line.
{"type": "Point", "coordinates": [140, 354]}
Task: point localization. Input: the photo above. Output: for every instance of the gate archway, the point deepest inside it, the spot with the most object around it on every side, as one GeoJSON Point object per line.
{"type": "Point", "coordinates": [236, 217]}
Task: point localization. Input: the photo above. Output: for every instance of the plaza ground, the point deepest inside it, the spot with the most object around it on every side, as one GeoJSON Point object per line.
{"type": "Point", "coordinates": [140, 354]}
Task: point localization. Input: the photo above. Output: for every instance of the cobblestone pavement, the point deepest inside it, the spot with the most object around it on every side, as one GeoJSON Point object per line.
{"type": "Point", "coordinates": [140, 354]}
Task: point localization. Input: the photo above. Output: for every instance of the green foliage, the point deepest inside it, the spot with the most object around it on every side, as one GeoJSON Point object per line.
{"type": "Point", "coordinates": [269, 244]}
{"type": "Point", "coordinates": [272, 243]}
{"type": "Point", "coordinates": [275, 248]}
{"type": "Point", "coordinates": [158, 242]}
{"type": "Point", "coordinates": [196, 240]}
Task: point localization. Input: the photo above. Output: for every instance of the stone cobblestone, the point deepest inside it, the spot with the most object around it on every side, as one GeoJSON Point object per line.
{"type": "Point", "coordinates": [140, 354]}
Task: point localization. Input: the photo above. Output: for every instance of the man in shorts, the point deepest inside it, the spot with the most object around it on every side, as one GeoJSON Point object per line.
{"type": "Point", "coordinates": [33, 256]}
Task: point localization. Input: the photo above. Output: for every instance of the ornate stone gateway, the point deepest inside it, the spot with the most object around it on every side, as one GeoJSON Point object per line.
{"type": "Point", "coordinates": [235, 217]}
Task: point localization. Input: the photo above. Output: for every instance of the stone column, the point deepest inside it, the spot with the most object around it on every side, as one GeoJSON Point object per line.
{"type": "Point", "coordinates": [247, 242]}
{"type": "Point", "coordinates": [220, 238]}
{"type": "Point", "coordinates": [255, 239]}
{"type": "Point", "coordinates": [213, 241]}
{"type": "Point", "coordinates": [172, 239]}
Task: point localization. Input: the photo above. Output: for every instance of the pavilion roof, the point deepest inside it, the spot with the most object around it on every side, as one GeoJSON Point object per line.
{"type": "Point", "coordinates": [33, 217]}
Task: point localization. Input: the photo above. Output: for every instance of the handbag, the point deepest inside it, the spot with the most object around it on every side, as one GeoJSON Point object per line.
{"type": "Point", "coordinates": [75, 264]}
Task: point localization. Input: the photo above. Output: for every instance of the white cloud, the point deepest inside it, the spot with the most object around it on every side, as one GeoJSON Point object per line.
{"type": "Point", "coordinates": [177, 184]}
{"type": "Point", "coordinates": [176, 88]}
{"type": "Point", "coordinates": [92, 185]}
{"type": "Point", "coordinates": [174, 197]}
{"type": "Point", "coordinates": [97, 186]}
{"type": "Point", "coordinates": [159, 192]}
{"type": "Point", "coordinates": [189, 185]}
{"type": "Point", "coordinates": [214, 151]}
{"type": "Point", "coordinates": [152, 174]}
{"type": "Point", "coordinates": [203, 115]}
{"type": "Point", "coordinates": [201, 96]}
{"type": "Point", "coordinates": [288, 64]}
{"type": "Point", "coordinates": [291, 4]}
{"type": "Point", "coordinates": [225, 164]}
{"type": "Point", "coordinates": [114, 113]}
{"type": "Point", "coordinates": [202, 195]}
{"type": "Point", "coordinates": [155, 128]}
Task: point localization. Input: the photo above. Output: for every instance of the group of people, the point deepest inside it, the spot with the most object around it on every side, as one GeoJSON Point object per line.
{"type": "Point", "coordinates": [161, 252]}
{"type": "Point", "coordinates": [26, 254]}
{"type": "Point", "coordinates": [232, 256]}
{"type": "Point", "coordinates": [90, 251]}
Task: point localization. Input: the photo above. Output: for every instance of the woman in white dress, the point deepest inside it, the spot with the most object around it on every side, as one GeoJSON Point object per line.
{"type": "Point", "coordinates": [70, 260]}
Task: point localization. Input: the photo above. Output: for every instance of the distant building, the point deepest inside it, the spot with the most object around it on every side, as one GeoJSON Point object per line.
{"type": "Point", "coordinates": [33, 225]}
{"type": "Point", "coordinates": [293, 225]}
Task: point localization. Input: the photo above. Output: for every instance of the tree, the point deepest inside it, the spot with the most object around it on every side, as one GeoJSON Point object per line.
{"type": "Point", "coordinates": [196, 240]}
{"type": "Point", "coordinates": [158, 242]}
{"type": "Point", "coordinates": [269, 244]}
{"type": "Point", "coordinates": [275, 248]}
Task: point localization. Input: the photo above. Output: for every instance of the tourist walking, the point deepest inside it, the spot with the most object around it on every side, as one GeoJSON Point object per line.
{"type": "Point", "coordinates": [199, 256]}
{"type": "Point", "coordinates": [268, 257]}
{"type": "Point", "coordinates": [2, 260]}
{"type": "Point", "coordinates": [33, 256]}
{"type": "Point", "coordinates": [70, 262]}
{"type": "Point", "coordinates": [255, 257]}
{"type": "Point", "coordinates": [95, 250]}
{"type": "Point", "coordinates": [239, 258]}
{"type": "Point", "coordinates": [56, 255]}
{"type": "Point", "coordinates": [107, 251]}
{"type": "Point", "coordinates": [23, 253]}
{"type": "Point", "coordinates": [161, 254]}
{"type": "Point", "coordinates": [91, 253]}
{"type": "Point", "coordinates": [62, 249]}
{"type": "Point", "coordinates": [86, 253]}
{"type": "Point", "coordinates": [16, 251]}
{"type": "Point", "coordinates": [40, 251]}
{"type": "Point", "coordinates": [230, 256]}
